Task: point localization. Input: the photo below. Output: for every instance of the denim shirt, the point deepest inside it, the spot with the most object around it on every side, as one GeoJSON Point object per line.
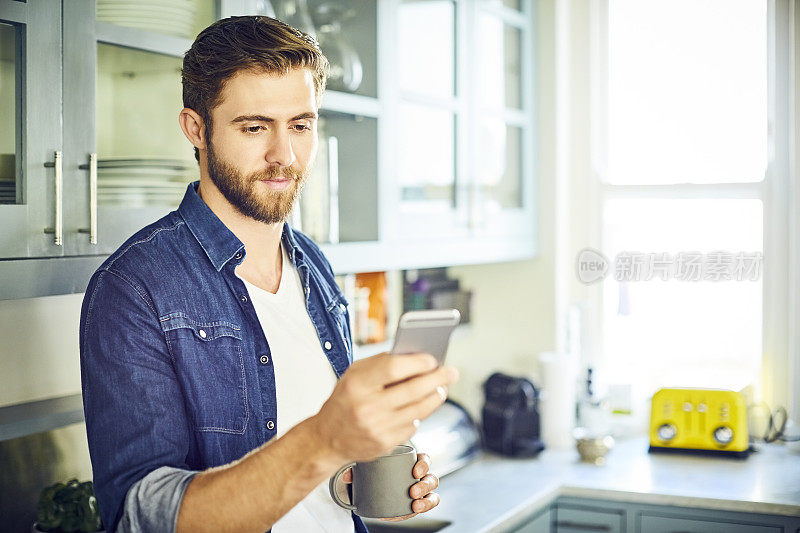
{"type": "Point", "coordinates": [176, 370]}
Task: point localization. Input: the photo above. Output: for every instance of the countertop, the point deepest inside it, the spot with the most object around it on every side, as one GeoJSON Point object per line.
{"type": "Point", "coordinates": [491, 493]}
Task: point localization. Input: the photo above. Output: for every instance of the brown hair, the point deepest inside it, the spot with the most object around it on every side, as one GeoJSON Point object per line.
{"type": "Point", "coordinates": [256, 43]}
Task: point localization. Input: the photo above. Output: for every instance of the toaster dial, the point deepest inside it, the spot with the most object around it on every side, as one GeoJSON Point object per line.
{"type": "Point", "coordinates": [723, 435]}
{"type": "Point", "coordinates": [667, 432]}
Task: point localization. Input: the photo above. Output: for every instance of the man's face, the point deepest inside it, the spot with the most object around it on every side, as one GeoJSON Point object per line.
{"type": "Point", "coordinates": [263, 142]}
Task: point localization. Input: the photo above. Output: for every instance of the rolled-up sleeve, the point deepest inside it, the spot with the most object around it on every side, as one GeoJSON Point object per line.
{"type": "Point", "coordinates": [135, 415]}
{"type": "Point", "coordinates": [153, 502]}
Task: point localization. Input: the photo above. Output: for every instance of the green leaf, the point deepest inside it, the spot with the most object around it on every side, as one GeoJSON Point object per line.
{"type": "Point", "coordinates": [69, 507]}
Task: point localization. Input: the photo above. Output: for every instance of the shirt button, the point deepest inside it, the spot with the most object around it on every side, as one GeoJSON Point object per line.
{"type": "Point", "coordinates": [328, 345]}
{"type": "Point", "coordinates": [202, 333]}
{"type": "Point", "coordinates": [270, 425]}
{"type": "Point", "coordinates": [237, 256]}
{"type": "Point", "coordinates": [341, 306]}
{"type": "Point", "coordinates": [264, 359]}
{"type": "Point", "coordinates": [243, 298]}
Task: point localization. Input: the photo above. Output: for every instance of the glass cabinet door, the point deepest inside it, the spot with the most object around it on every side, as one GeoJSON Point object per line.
{"type": "Point", "coordinates": [144, 162]}
{"type": "Point", "coordinates": [339, 203]}
{"type": "Point", "coordinates": [132, 162]}
{"type": "Point", "coordinates": [503, 162]}
{"type": "Point", "coordinates": [428, 167]}
{"type": "Point", "coordinates": [347, 34]}
{"type": "Point", "coordinates": [31, 164]}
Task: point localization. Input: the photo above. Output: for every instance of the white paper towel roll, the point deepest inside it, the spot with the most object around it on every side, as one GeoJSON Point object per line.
{"type": "Point", "coordinates": [558, 372]}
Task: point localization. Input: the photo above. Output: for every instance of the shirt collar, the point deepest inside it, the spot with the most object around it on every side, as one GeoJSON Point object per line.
{"type": "Point", "coordinates": [218, 242]}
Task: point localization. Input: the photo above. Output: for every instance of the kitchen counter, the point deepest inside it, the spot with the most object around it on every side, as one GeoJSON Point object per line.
{"type": "Point", "coordinates": [493, 492]}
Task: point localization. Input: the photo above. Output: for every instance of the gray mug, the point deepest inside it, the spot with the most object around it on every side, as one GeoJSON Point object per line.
{"type": "Point", "coordinates": [380, 487]}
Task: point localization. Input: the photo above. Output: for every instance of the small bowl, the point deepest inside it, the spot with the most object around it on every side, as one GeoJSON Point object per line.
{"type": "Point", "coordinates": [593, 449]}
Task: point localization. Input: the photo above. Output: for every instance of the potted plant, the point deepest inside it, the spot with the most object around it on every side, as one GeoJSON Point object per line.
{"type": "Point", "coordinates": [68, 507]}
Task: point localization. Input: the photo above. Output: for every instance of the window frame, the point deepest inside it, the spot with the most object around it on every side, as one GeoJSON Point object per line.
{"type": "Point", "coordinates": [779, 192]}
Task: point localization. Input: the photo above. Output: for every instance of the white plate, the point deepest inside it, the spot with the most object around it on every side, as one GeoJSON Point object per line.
{"type": "Point", "coordinates": [144, 172]}
{"type": "Point", "coordinates": [166, 30]}
{"type": "Point", "coordinates": [155, 20]}
{"type": "Point", "coordinates": [186, 7]}
{"type": "Point", "coordinates": [179, 20]}
{"type": "Point", "coordinates": [143, 163]}
{"type": "Point", "coordinates": [178, 4]}
{"type": "Point", "coordinates": [149, 186]}
{"type": "Point", "coordinates": [172, 10]}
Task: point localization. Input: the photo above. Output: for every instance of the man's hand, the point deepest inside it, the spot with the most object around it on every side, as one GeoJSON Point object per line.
{"type": "Point", "coordinates": [422, 491]}
{"type": "Point", "coordinates": [378, 403]}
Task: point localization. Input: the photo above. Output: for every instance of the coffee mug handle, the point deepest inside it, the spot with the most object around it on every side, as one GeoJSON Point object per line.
{"type": "Point", "coordinates": [332, 487]}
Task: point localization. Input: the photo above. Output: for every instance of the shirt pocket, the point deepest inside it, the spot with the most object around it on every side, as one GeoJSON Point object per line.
{"type": "Point", "coordinates": [210, 366]}
{"type": "Point", "coordinates": [338, 312]}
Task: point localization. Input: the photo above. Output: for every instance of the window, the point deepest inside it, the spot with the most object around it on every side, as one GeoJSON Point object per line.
{"type": "Point", "coordinates": [685, 182]}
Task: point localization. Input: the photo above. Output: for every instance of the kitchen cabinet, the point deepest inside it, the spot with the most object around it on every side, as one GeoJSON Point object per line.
{"type": "Point", "coordinates": [540, 523]}
{"type": "Point", "coordinates": [585, 519]}
{"type": "Point", "coordinates": [463, 89]}
{"type": "Point", "coordinates": [573, 514]}
{"type": "Point", "coordinates": [31, 167]}
{"type": "Point", "coordinates": [668, 524]}
{"type": "Point", "coordinates": [589, 515]}
{"type": "Point", "coordinates": [424, 161]}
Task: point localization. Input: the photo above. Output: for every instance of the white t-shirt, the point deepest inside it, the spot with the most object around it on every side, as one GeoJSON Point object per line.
{"type": "Point", "coordinates": [304, 379]}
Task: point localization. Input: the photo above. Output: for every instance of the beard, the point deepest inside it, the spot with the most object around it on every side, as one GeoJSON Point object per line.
{"type": "Point", "coordinates": [242, 192]}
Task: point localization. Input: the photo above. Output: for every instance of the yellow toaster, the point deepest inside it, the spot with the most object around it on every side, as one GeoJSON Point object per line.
{"type": "Point", "coordinates": [705, 421]}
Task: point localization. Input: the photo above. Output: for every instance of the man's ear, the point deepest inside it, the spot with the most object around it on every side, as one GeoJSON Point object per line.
{"type": "Point", "coordinates": [193, 127]}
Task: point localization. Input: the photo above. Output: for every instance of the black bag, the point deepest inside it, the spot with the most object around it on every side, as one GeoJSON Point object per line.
{"type": "Point", "coordinates": [511, 416]}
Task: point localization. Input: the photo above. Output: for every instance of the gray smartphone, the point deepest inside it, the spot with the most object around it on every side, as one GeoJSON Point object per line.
{"type": "Point", "coordinates": [426, 331]}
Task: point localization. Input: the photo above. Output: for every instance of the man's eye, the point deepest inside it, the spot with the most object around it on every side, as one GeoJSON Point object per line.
{"type": "Point", "coordinates": [253, 129]}
{"type": "Point", "coordinates": [301, 127]}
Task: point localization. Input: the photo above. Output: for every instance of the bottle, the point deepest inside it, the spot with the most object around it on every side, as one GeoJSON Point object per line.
{"type": "Point", "coordinates": [592, 409]}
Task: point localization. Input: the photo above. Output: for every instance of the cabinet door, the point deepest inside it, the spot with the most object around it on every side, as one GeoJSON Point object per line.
{"type": "Point", "coordinates": [428, 164]}
{"type": "Point", "coordinates": [585, 520]}
{"type": "Point", "coordinates": [122, 100]}
{"type": "Point", "coordinates": [668, 524]}
{"type": "Point", "coordinates": [463, 165]}
{"type": "Point", "coordinates": [541, 523]}
{"type": "Point", "coordinates": [31, 184]}
{"type": "Point", "coordinates": [79, 59]}
{"type": "Point", "coordinates": [504, 164]}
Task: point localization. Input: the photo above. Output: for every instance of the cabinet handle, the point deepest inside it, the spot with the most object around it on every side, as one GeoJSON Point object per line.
{"type": "Point", "coordinates": [59, 227]}
{"type": "Point", "coordinates": [92, 166]}
{"type": "Point", "coordinates": [472, 221]}
{"type": "Point", "coordinates": [579, 525]}
{"type": "Point", "coordinates": [333, 190]}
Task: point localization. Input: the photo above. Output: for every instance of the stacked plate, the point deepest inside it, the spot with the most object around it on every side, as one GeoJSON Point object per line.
{"type": "Point", "coordinates": [171, 17]}
{"type": "Point", "coordinates": [8, 192]}
{"type": "Point", "coordinates": [143, 182]}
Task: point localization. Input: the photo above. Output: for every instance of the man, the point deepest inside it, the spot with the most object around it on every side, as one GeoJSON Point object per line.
{"type": "Point", "coordinates": [215, 347]}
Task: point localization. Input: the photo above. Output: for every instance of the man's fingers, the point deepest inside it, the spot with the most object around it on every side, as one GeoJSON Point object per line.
{"type": "Point", "coordinates": [385, 368]}
{"type": "Point", "coordinates": [422, 467]}
{"type": "Point", "coordinates": [419, 410]}
{"type": "Point", "coordinates": [424, 486]}
{"type": "Point", "coordinates": [347, 476]}
{"type": "Point", "coordinates": [398, 518]}
{"type": "Point", "coordinates": [413, 390]}
{"type": "Point", "coordinates": [425, 504]}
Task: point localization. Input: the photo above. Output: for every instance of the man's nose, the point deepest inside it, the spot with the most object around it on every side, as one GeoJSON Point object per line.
{"type": "Point", "coordinates": [279, 151]}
